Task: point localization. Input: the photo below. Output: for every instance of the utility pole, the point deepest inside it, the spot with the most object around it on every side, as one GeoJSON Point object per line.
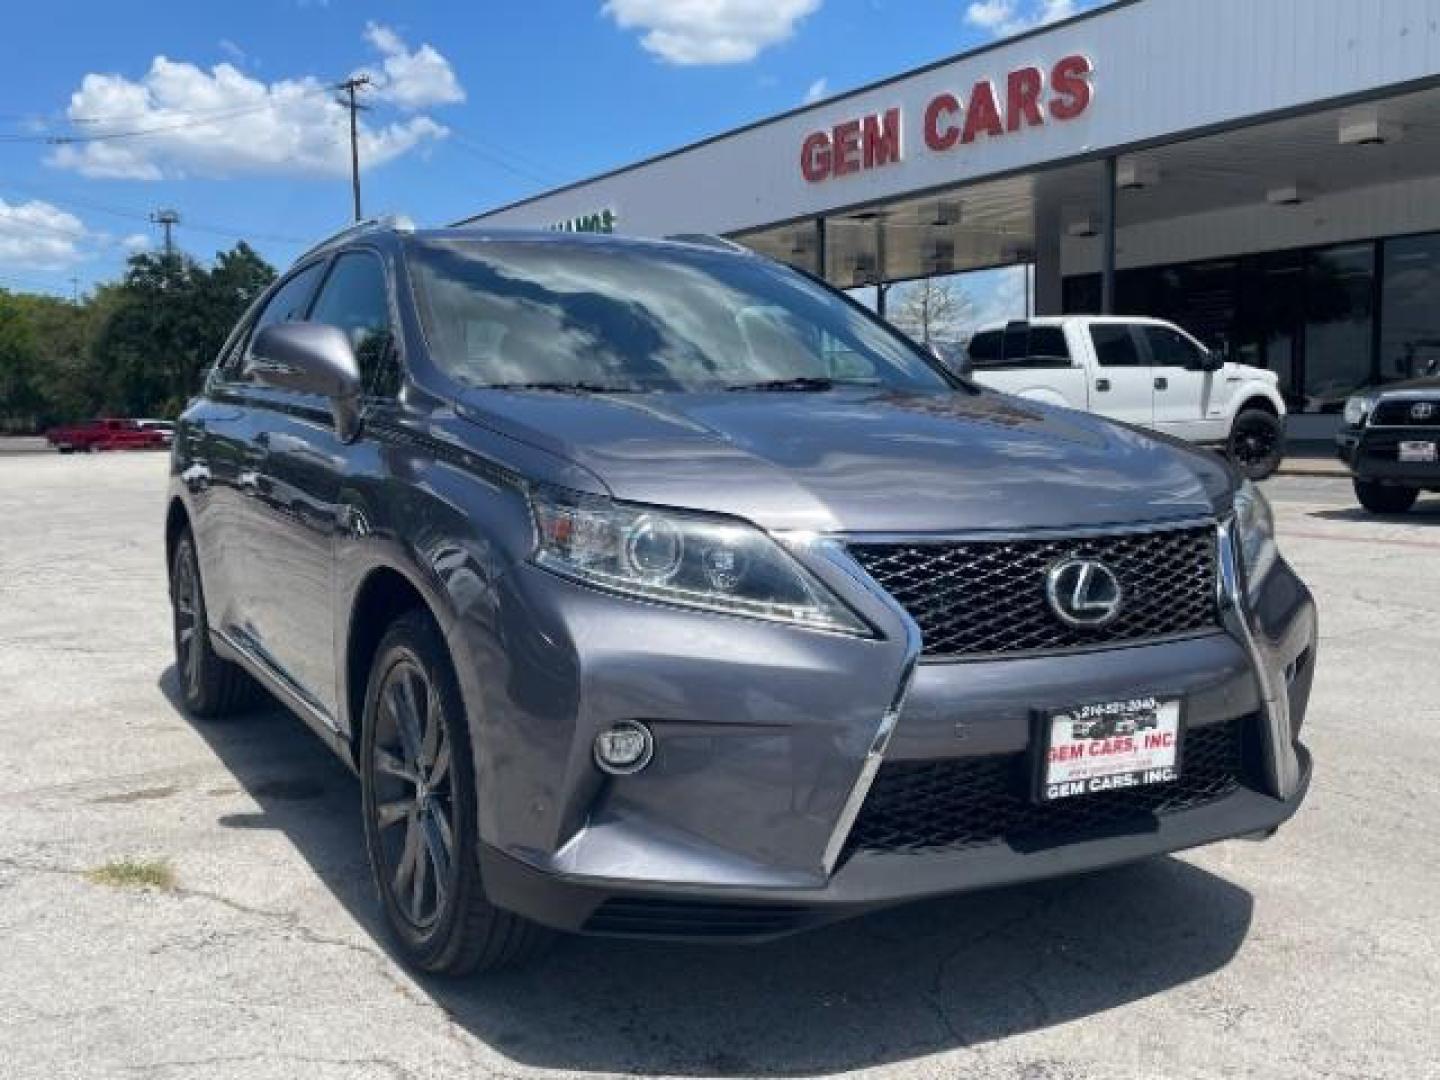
{"type": "Point", "coordinates": [350, 86]}
{"type": "Point", "coordinates": [167, 220]}
{"type": "Point", "coordinates": [75, 290]}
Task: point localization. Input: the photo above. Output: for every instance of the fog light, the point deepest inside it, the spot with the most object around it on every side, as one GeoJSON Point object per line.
{"type": "Point", "coordinates": [624, 748]}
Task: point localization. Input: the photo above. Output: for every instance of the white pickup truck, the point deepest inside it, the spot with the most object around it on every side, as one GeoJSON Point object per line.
{"type": "Point", "coordinates": [1141, 371]}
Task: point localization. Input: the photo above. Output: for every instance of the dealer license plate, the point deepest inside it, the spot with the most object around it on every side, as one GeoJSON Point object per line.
{"type": "Point", "coordinates": [1417, 451]}
{"type": "Point", "coordinates": [1110, 746]}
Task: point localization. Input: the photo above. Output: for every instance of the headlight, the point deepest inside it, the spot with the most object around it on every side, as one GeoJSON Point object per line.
{"type": "Point", "coordinates": [690, 560]}
{"type": "Point", "coordinates": [1254, 533]}
{"type": "Point", "coordinates": [1358, 409]}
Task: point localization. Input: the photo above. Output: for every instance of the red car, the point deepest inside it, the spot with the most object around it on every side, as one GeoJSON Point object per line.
{"type": "Point", "coordinates": [106, 435]}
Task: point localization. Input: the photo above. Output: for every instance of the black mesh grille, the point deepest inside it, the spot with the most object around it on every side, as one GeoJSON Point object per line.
{"type": "Point", "coordinates": [914, 806]}
{"type": "Point", "coordinates": [987, 597]}
{"type": "Point", "coordinates": [1400, 412]}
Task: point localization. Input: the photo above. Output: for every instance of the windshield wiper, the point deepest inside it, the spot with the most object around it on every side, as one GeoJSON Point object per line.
{"type": "Point", "coordinates": [560, 387]}
{"type": "Point", "coordinates": [803, 384]}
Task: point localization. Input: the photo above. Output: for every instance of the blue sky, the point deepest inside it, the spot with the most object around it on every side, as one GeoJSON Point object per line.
{"type": "Point", "coordinates": [472, 105]}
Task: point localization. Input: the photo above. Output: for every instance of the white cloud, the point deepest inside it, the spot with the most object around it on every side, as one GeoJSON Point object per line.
{"type": "Point", "coordinates": [223, 122]}
{"type": "Point", "coordinates": [38, 236]}
{"type": "Point", "coordinates": [710, 31]}
{"type": "Point", "coordinates": [412, 80]}
{"type": "Point", "coordinates": [135, 242]}
{"type": "Point", "coordinates": [818, 89]}
{"type": "Point", "coordinates": [1006, 17]}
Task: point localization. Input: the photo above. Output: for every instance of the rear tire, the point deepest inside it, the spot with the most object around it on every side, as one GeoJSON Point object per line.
{"type": "Point", "coordinates": [210, 686]}
{"type": "Point", "coordinates": [1383, 499]}
{"type": "Point", "coordinates": [421, 828]}
{"type": "Point", "coordinates": [1256, 444]}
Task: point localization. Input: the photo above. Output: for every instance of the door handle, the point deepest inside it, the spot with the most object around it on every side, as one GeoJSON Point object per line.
{"type": "Point", "coordinates": [1162, 383]}
{"type": "Point", "coordinates": [1102, 385]}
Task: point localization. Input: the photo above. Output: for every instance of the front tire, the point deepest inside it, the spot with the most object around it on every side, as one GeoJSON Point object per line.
{"type": "Point", "coordinates": [1256, 444]}
{"type": "Point", "coordinates": [418, 796]}
{"type": "Point", "coordinates": [1383, 499]}
{"type": "Point", "coordinates": [210, 686]}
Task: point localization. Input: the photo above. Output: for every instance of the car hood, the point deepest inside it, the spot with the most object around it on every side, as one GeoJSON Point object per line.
{"type": "Point", "coordinates": [865, 460]}
{"type": "Point", "coordinates": [1422, 385]}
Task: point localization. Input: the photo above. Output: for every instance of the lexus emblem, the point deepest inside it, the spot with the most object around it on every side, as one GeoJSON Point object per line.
{"type": "Point", "coordinates": [1422, 410]}
{"type": "Point", "coordinates": [1084, 593]}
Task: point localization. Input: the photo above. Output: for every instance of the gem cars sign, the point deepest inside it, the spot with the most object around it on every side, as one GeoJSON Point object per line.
{"type": "Point", "coordinates": [1027, 97]}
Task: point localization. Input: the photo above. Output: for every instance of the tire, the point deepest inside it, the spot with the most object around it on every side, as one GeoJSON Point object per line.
{"type": "Point", "coordinates": [210, 686]}
{"type": "Point", "coordinates": [418, 800]}
{"type": "Point", "coordinates": [1383, 499]}
{"type": "Point", "coordinates": [1256, 444]}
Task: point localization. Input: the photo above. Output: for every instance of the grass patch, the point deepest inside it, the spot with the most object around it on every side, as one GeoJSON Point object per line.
{"type": "Point", "coordinates": [133, 874]}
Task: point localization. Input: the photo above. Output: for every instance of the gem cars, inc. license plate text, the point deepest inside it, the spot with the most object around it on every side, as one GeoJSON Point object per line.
{"type": "Point", "coordinates": [1109, 747]}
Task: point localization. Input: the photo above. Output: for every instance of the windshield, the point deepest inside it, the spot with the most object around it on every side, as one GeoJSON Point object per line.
{"type": "Point", "coordinates": [644, 317]}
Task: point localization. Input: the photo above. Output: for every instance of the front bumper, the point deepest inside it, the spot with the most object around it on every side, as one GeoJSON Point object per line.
{"type": "Point", "coordinates": [737, 829]}
{"type": "Point", "coordinates": [1372, 454]}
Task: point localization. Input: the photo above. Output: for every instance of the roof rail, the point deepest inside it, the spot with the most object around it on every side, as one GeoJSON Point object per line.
{"type": "Point", "coordinates": [711, 241]}
{"type": "Point", "coordinates": [396, 222]}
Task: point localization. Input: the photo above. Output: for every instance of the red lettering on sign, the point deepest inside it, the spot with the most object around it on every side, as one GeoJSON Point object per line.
{"type": "Point", "coordinates": [882, 139]}
{"type": "Point", "coordinates": [815, 157]}
{"type": "Point", "coordinates": [1022, 99]}
{"type": "Point", "coordinates": [941, 133]}
{"type": "Point", "coordinates": [983, 114]}
{"type": "Point", "coordinates": [1071, 82]}
{"type": "Point", "coordinates": [845, 143]}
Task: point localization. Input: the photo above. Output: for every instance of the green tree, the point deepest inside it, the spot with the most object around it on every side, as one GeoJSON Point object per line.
{"type": "Point", "coordinates": [170, 316]}
{"type": "Point", "coordinates": [19, 399]}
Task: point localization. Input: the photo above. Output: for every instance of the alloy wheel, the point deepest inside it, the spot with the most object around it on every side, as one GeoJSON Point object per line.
{"type": "Point", "coordinates": [1255, 446]}
{"type": "Point", "coordinates": [414, 804]}
{"type": "Point", "coordinates": [185, 595]}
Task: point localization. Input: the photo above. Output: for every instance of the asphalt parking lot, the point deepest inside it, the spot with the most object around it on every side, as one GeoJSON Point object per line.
{"type": "Point", "coordinates": [1311, 955]}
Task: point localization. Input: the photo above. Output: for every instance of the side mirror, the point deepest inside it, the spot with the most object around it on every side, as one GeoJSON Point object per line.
{"type": "Point", "coordinates": [311, 358]}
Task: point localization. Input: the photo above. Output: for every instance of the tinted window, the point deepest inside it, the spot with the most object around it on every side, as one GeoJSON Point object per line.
{"type": "Point", "coordinates": [1410, 317]}
{"type": "Point", "coordinates": [1048, 343]}
{"type": "Point", "coordinates": [355, 299]}
{"type": "Point", "coordinates": [985, 348]}
{"type": "Point", "coordinates": [644, 317]}
{"type": "Point", "coordinates": [1115, 346]}
{"type": "Point", "coordinates": [1020, 346]}
{"type": "Point", "coordinates": [288, 304]}
{"type": "Point", "coordinates": [1168, 348]}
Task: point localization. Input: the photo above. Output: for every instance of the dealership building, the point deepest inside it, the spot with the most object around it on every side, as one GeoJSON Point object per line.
{"type": "Point", "coordinates": [1265, 173]}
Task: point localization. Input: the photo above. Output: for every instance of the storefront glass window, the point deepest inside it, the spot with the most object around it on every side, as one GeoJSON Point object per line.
{"type": "Point", "coordinates": [1410, 309]}
{"type": "Point", "coordinates": [1339, 311]}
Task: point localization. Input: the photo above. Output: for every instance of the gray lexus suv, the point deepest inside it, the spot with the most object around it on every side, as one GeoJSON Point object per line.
{"type": "Point", "coordinates": [657, 589]}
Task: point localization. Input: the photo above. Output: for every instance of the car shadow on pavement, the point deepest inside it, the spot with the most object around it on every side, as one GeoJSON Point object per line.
{"type": "Point", "coordinates": [888, 987]}
{"type": "Point", "coordinates": [1426, 512]}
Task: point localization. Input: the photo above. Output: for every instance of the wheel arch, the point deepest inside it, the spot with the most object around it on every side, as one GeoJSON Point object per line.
{"type": "Point", "coordinates": [1253, 400]}
{"type": "Point", "coordinates": [177, 520]}
{"type": "Point", "coordinates": [382, 597]}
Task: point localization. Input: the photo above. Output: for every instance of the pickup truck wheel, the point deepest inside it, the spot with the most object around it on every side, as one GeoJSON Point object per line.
{"type": "Point", "coordinates": [1383, 499]}
{"type": "Point", "coordinates": [1257, 443]}
{"type": "Point", "coordinates": [210, 686]}
{"type": "Point", "coordinates": [418, 797]}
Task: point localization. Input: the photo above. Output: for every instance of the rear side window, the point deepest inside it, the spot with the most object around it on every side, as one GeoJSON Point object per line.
{"type": "Point", "coordinates": [356, 299]}
{"type": "Point", "coordinates": [287, 304]}
{"type": "Point", "coordinates": [1020, 347]}
{"type": "Point", "coordinates": [1115, 346]}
